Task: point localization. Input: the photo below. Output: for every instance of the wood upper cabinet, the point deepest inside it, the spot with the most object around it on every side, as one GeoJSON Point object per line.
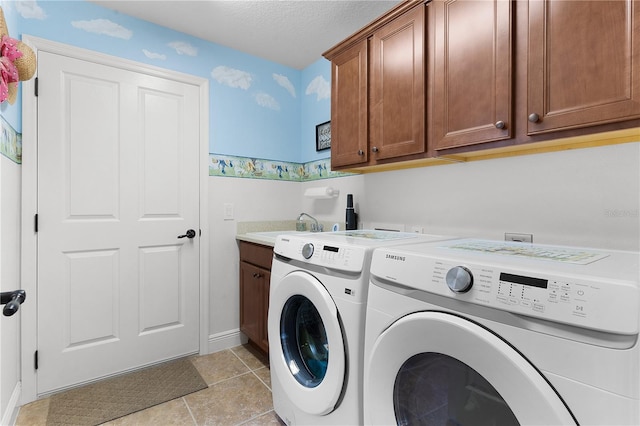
{"type": "Point", "coordinates": [378, 90]}
{"type": "Point", "coordinates": [583, 63]}
{"type": "Point", "coordinates": [397, 87]}
{"type": "Point", "coordinates": [472, 95]}
{"type": "Point", "coordinates": [440, 78]}
{"type": "Point", "coordinates": [255, 276]}
{"type": "Point", "coordinates": [349, 99]}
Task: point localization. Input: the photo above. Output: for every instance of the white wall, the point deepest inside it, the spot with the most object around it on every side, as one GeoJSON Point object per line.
{"type": "Point", "coordinates": [585, 197]}
{"type": "Point", "coordinates": [253, 200]}
{"type": "Point", "coordinates": [333, 209]}
{"type": "Point", "coordinates": [9, 281]}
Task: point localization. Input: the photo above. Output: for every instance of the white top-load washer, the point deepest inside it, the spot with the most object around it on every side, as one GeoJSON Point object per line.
{"type": "Point", "coordinates": [479, 332]}
{"type": "Point", "coordinates": [317, 304]}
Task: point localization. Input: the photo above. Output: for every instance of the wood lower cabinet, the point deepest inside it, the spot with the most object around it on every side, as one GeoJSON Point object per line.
{"type": "Point", "coordinates": [255, 274]}
{"type": "Point", "coordinates": [378, 90]}
{"type": "Point", "coordinates": [583, 63]}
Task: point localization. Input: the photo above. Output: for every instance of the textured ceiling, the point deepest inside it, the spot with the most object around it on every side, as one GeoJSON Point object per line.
{"type": "Point", "coordinates": [292, 33]}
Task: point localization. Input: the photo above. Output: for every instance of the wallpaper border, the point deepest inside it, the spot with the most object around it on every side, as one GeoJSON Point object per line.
{"type": "Point", "coordinates": [257, 168]}
{"type": "Point", "coordinates": [10, 142]}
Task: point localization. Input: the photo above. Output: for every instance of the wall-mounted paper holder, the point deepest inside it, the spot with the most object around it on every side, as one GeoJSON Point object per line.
{"type": "Point", "coordinates": [321, 192]}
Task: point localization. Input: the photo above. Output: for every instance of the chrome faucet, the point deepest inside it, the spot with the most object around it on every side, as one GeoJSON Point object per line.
{"type": "Point", "coordinates": [315, 227]}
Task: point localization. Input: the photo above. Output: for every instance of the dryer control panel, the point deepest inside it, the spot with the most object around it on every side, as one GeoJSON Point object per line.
{"type": "Point", "coordinates": [609, 304]}
{"type": "Point", "coordinates": [572, 301]}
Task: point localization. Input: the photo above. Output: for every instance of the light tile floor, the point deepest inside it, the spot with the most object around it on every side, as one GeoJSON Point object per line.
{"type": "Point", "coordinates": [239, 393]}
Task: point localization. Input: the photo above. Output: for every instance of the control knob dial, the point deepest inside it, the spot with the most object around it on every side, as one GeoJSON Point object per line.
{"type": "Point", "coordinates": [459, 279]}
{"type": "Point", "coordinates": [307, 250]}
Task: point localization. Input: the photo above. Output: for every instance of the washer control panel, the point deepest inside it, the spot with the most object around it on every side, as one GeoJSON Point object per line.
{"type": "Point", "coordinates": [341, 257]}
{"type": "Point", "coordinates": [610, 305]}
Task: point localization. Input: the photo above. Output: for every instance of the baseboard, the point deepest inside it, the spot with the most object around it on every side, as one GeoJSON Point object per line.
{"type": "Point", "coordinates": [10, 414]}
{"type": "Point", "coordinates": [225, 340]}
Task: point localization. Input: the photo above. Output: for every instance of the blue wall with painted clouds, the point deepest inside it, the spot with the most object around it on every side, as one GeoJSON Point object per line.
{"type": "Point", "coordinates": [258, 108]}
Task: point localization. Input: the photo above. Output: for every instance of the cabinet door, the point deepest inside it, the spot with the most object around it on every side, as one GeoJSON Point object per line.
{"type": "Point", "coordinates": [349, 133]}
{"type": "Point", "coordinates": [584, 63]}
{"type": "Point", "coordinates": [264, 341]}
{"type": "Point", "coordinates": [397, 94]}
{"type": "Point", "coordinates": [472, 100]}
{"type": "Point", "coordinates": [252, 312]}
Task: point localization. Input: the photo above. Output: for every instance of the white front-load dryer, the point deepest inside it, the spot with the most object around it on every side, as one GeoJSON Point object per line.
{"type": "Point", "coordinates": [476, 332]}
{"type": "Point", "coordinates": [317, 305]}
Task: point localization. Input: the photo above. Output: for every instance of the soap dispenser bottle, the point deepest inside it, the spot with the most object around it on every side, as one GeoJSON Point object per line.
{"type": "Point", "coordinates": [351, 221]}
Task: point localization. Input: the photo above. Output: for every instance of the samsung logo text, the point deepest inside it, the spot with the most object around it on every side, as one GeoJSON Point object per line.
{"type": "Point", "coordinates": [395, 257]}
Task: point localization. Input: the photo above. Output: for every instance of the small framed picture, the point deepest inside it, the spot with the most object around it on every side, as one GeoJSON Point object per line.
{"type": "Point", "coordinates": [323, 136]}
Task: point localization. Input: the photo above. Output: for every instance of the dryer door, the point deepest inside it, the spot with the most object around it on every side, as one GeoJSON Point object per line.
{"type": "Point", "coordinates": [439, 368]}
{"type": "Point", "coordinates": [307, 350]}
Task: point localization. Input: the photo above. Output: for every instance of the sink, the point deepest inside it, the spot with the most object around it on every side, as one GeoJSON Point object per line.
{"type": "Point", "coordinates": [273, 234]}
{"type": "Point", "coordinates": [269, 237]}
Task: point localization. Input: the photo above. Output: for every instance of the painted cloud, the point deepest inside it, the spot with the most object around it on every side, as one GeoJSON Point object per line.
{"type": "Point", "coordinates": [267, 101]}
{"type": "Point", "coordinates": [29, 9]}
{"type": "Point", "coordinates": [284, 82]}
{"type": "Point", "coordinates": [152, 55]}
{"type": "Point", "coordinates": [184, 48]}
{"type": "Point", "coordinates": [232, 77]}
{"type": "Point", "coordinates": [320, 87]}
{"type": "Point", "coordinates": [105, 27]}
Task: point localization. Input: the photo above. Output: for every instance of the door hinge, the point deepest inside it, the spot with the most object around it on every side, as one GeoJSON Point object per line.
{"type": "Point", "coordinates": [35, 360]}
{"type": "Point", "coordinates": [35, 88]}
{"type": "Point", "coordinates": [35, 223]}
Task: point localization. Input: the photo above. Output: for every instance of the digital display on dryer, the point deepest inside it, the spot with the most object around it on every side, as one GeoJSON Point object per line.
{"type": "Point", "coordinates": [519, 279]}
{"type": "Point", "coordinates": [330, 248]}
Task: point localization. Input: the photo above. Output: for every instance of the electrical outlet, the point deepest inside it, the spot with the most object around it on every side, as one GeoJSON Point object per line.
{"type": "Point", "coordinates": [228, 211]}
{"type": "Point", "coordinates": [520, 238]}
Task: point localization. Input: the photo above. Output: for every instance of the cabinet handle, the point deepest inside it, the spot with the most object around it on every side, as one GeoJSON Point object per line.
{"type": "Point", "coordinates": [374, 149]}
{"type": "Point", "coordinates": [257, 275]}
{"type": "Point", "coordinates": [534, 118]}
{"type": "Point", "coordinates": [360, 152]}
{"type": "Point", "coordinates": [500, 124]}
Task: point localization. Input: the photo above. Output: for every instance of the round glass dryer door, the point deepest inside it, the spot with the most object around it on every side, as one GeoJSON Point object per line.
{"type": "Point", "coordinates": [438, 368]}
{"type": "Point", "coordinates": [436, 389]}
{"type": "Point", "coordinates": [307, 351]}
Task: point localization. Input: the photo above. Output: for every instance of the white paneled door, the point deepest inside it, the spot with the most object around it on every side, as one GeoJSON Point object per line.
{"type": "Point", "coordinates": [118, 185]}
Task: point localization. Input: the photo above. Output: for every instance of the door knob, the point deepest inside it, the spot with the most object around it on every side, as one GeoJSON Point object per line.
{"type": "Point", "coordinates": [12, 300]}
{"type": "Point", "coordinates": [500, 124]}
{"type": "Point", "coordinates": [533, 117]}
{"type": "Point", "coordinates": [190, 234]}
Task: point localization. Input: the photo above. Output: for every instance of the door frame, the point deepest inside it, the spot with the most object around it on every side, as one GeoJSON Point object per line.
{"type": "Point", "coordinates": [29, 207]}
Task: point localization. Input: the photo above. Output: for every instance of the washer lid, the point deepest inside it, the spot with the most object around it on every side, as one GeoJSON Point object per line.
{"type": "Point", "coordinates": [306, 347]}
{"type": "Point", "coordinates": [528, 395]}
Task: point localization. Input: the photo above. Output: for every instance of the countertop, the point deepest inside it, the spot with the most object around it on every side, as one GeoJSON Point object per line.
{"type": "Point", "coordinates": [265, 233]}
{"type": "Point", "coordinates": [267, 238]}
